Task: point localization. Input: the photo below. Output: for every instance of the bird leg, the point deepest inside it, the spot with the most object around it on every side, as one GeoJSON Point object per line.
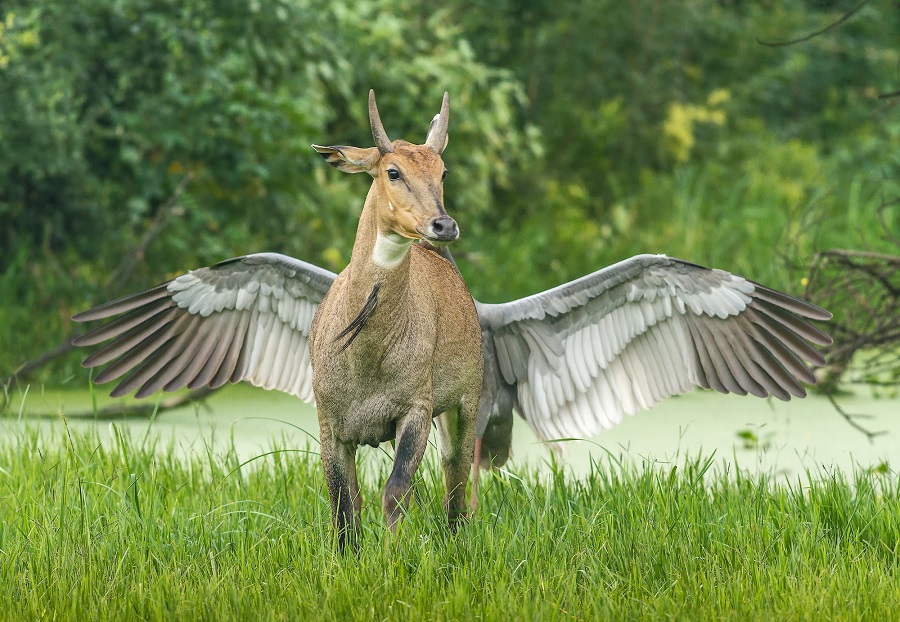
{"type": "Point", "coordinates": [476, 467]}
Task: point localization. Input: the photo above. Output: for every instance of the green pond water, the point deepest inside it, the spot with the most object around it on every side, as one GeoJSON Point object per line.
{"type": "Point", "coordinates": [787, 438]}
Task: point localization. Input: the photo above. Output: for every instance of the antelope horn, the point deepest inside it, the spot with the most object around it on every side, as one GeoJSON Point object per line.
{"type": "Point", "coordinates": [381, 138]}
{"type": "Point", "coordinates": [437, 137]}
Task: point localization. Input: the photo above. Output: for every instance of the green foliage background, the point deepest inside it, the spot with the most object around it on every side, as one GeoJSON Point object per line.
{"type": "Point", "coordinates": [581, 133]}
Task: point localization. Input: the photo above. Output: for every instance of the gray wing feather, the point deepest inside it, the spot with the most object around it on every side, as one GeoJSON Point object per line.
{"type": "Point", "coordinates": [246, 318]}
{"type": "Point", "coordinates": [622, 339]}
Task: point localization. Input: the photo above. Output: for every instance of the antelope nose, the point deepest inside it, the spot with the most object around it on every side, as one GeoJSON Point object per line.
{"type": "Point", "coordinates": [444, 228]}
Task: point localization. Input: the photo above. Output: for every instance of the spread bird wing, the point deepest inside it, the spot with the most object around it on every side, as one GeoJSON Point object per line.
{"type": "Point", "coordinates": [246, 318]}
{"type": "Point", "coordinates": [622, 339]}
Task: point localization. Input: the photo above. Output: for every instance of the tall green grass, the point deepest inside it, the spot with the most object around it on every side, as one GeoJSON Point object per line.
{"type": "Point", "coordinates": [131, 531]}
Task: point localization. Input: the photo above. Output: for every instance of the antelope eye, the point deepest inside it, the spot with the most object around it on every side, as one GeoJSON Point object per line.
{"type": "Point", "coordinates": [393, 174]}
{"type": "Point", "coordinates": [443, 175]}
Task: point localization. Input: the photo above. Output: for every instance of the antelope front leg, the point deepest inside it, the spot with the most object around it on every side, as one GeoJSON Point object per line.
{"type": "Point", "coordinates": [456, 429]}
{"type": "Point", "coordinates": [412, 438]}
{"type": "Point", "coordinates": [339, 460]}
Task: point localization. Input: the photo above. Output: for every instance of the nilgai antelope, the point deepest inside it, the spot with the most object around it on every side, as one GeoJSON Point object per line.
{"type": "Point", "coordinates": [396, 341]}
{"type": "Point", "coordinates": [571, 361]}
{"type": "Point", "coordinates": [394, 344]}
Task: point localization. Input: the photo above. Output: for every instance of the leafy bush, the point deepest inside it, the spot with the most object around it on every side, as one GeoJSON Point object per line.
{"type": "Point", "coordinates": [580, 134]}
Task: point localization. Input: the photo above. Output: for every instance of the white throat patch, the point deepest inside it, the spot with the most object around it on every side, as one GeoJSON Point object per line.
{"type": "Point", "coordinates": [390, 249]}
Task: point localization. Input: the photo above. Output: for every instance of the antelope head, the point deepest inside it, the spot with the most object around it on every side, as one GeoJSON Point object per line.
{"type": "Point", "coordinates": [407, 187]}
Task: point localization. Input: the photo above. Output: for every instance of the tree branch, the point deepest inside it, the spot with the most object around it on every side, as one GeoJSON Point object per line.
{"type": "Point", "coordinates": [125, 269]}
{"type": "Point", "coordinates": [118, 411]}
{"type": "Point", "coordinates": [849, 419]}
{"type": "Point", "coordinates": [844, 18]}
{"type": "Point", "coordinates": [114, 283]}
{"type": "Point", "coordinates": [29, 366]}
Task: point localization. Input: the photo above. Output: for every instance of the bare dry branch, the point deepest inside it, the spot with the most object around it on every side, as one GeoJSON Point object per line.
{"type": "Point", "coordinates": [841, 20]}
{"type": "Point", "coordinates": [138, 410]}
{"type": "Point", "coordinates": [865, 286]}
{"type": "Point", "coordinates": [851, 419]}
{"type": "Point", "coordinates": [36, 363]}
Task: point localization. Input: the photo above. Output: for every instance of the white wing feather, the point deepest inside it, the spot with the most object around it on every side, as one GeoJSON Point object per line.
{"type": "Point", "coordinates": [624, 338]}
{"type": "Point", "coordinates": [247, 318]}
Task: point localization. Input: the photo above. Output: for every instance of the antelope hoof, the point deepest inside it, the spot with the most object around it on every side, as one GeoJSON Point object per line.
{"type": "Point", "coordinates": [455, 519]}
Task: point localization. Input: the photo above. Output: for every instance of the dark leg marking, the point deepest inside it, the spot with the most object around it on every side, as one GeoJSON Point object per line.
{"type": "Point", "coordinates": [412, 438]}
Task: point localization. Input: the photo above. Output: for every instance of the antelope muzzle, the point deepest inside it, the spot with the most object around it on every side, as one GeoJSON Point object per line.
{"type": "Point", "coordinates": [442, 229]}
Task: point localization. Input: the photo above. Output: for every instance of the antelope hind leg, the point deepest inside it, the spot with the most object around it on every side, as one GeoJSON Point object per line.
{"type": "Point", "coordinates": [339, 461]}
{"type": "Point", "coordinates": [456, 429]}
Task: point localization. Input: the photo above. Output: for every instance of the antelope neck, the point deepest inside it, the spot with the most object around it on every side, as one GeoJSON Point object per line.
{"type": "Point", "coordinates": [379, 258]}
{"type": "Point", "coordinates": [390, 249]}
{"type": "Point", "coordinates": [376, 249]}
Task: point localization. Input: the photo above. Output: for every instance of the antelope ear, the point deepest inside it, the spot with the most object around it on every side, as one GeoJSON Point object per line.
{"type": "Point", "coordinates": [350, 159]}
{"type": "Point", "coordinates": [431, 129]}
